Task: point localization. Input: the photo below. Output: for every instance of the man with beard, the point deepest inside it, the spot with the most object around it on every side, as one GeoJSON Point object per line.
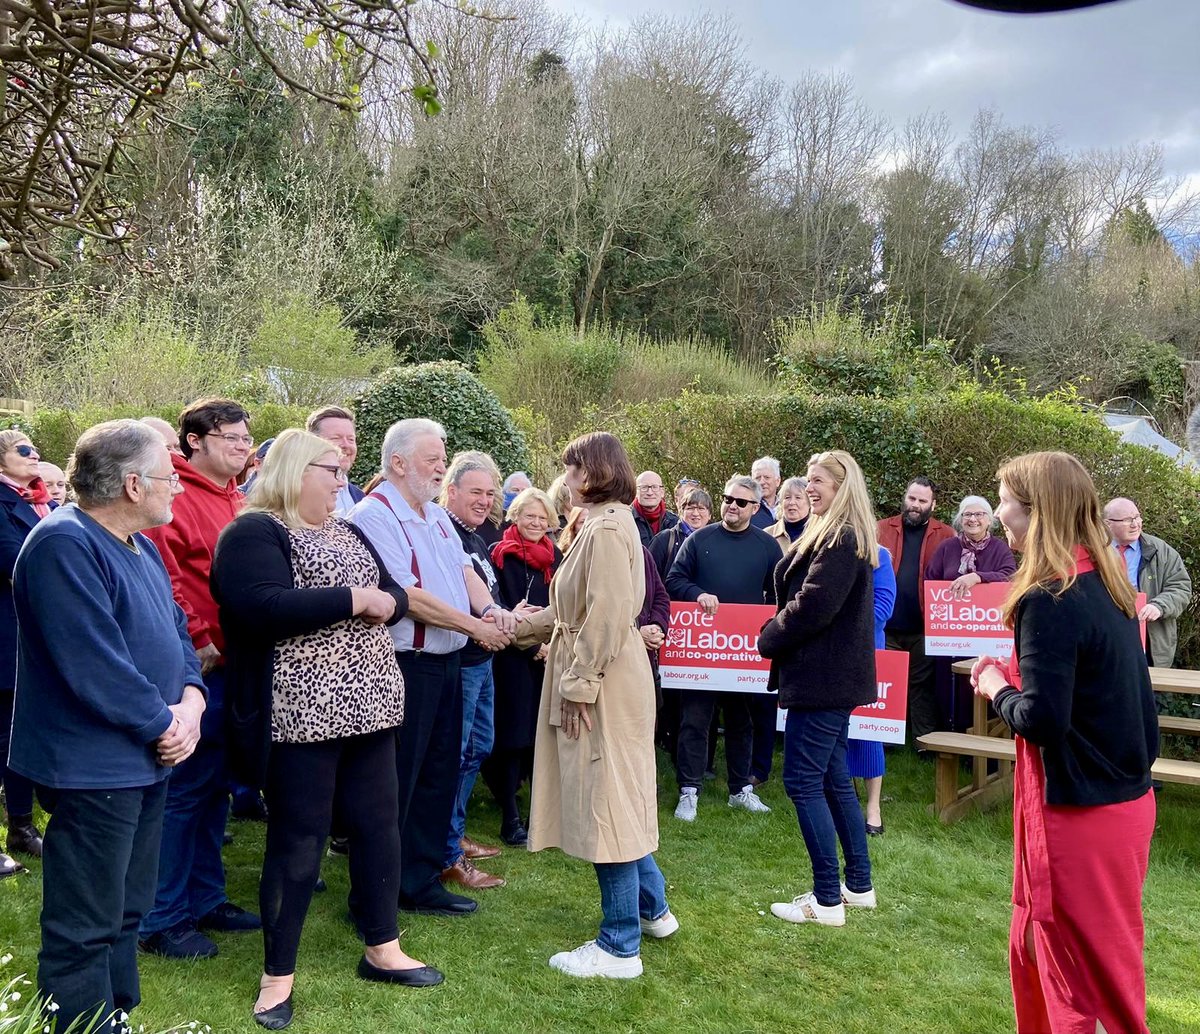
{"type": "Point", "coordinates": [911, 539]}
{"type": "Point", "coordinates": [448, 603]}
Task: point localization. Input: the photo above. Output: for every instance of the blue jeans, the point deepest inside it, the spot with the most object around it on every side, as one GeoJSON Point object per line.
{"type": "Point", "coordinates": [478, 734]}
{"type": "Point", "coordinates": [817, 780]}
{"type": "Point", "coordinates": [191, 875]}
{"type": "Point", "coordinates": [628, 891]}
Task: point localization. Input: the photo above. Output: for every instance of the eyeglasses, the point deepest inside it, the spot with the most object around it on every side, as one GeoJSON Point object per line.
{"type": "Point", "coordinates": [649, 488]}
{"type": "Point", "coordinates": [1131, 521]}
{"type": "Point", "coordinates": [28, 450]}
{"type": "Point", "coordinates": [333, 469]}
{"type": "Point", "coordinates": [172, 479]}
{"type": "Point", "coordinates": [741, 504]}
{"type": "Point", "coordinates": [233, 439]}
{"type": "Point", "coordinates": [976, 515]}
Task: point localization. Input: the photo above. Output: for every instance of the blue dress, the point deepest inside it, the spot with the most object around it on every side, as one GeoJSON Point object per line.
{"type": "Point", "coordinates": [864, 758]}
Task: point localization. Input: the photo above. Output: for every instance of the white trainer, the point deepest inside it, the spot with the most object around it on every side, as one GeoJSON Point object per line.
{"type": "Point", "coordinates": [590, 960]}
{"type": "Point", "coordinates": [748, 800]}
{"type": "Point", "coordinates": [665, 925]}
{"type": "Point", "coordinates": [686, 808]}
{"type": "Point", "coordinates": [854, 900]}
{"type": "Point", "coordinates": [806, 909]}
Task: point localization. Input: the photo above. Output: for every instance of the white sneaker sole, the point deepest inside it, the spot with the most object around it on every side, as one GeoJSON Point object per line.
{"type": "Point", "coordinates": [791, 913]}
{"type": "Point", "coordinates": [659, 928]}
{"type": "Point", "coordinates": [617, 969]}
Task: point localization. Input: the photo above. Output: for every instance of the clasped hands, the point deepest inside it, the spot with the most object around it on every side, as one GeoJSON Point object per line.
{"type": "Point", "coordinates": [498, 627]}
{"type": "Point", "coordinates": [988, 676]}
{"type": "Point", "coordinates": [183, 734]}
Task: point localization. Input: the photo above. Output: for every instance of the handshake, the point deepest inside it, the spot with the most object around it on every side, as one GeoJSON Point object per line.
{"type": "Point", "coordinates": [497, 627]}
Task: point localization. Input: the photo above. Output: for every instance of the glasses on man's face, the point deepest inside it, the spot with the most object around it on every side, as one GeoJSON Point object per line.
{"type": "Point", "coordinates": [650, 488]}
{"type": "Point", "coordinates": [172, 479]}
{"type": "Point", "coordinates": [1127, 521]}
{"type": "Point", "coordinates": [233, 439]}
{"type": "Point", "coordinates": [25, 451]}
{"type": "Point", "coordinates": [333, 469]}
{"type": "Point", "coordinates": [741, 504]}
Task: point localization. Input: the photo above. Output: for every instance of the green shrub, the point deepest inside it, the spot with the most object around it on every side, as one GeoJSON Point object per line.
{"type": "Point", "coordinates": [443, 391]}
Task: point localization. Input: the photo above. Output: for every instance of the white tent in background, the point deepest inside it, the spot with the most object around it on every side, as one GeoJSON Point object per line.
{"type": "Point", "coordinates": [1137, 430]}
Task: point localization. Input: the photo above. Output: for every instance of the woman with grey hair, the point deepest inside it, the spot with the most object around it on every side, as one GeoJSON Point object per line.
{"type": "Point", "coordinates": [973, 556]}
{"type": "Point", "coordinates": [793, 512]}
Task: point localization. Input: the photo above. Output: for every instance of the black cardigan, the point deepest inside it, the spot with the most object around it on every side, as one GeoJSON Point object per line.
{"type": "Point", "coordinates": [1086, 698]}
{"type": "Point", "coordinates": [821, 641]}
{"type": "Point", "coordinates": [259, 605]}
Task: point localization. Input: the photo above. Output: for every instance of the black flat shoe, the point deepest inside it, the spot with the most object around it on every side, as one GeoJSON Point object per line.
{"type": "Point", "coordinates": [277, 1017]}
{"type": "Point", "coordinates": [514, 834]}
{"type": "Point", "coordinates": [422, 976]}
{"type": "Point", "coordinates": [874, 831]}
{"type": "Point", "coordinates": [446, 904]}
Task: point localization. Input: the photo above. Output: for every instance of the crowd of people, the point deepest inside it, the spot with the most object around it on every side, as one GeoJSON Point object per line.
{"type": "Point", "coordinates": [247, 621]}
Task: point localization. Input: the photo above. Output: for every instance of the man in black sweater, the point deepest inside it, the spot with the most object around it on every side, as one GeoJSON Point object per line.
{"type": "Point", "coordinates": [730, 562]}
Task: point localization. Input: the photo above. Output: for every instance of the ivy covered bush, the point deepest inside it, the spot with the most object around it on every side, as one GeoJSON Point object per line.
{"type": "Point", "coordinates": [443, 391]}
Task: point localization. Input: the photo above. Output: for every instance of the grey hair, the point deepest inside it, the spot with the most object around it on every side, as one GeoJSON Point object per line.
{"type": "Point", "coordinates": [402, 437]}
{"type": "Point", "coordinates": [462, 464]}
{"type": "Point", "coordinates": [107, 454]}
{"type": "Point", "coordinates": [975, 500]}
{"type": "Point", "coordinates": [798, 484]}
{"type": "Point", "coordinates": [744, 481]}
{"type": "Point", "coordinates": [508, 481]}
{"type": "Point", "coordinates": [770, 462]}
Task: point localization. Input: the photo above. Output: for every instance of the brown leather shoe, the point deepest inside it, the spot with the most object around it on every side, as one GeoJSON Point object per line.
{"type": "Point", "coordinates": [465, 873]}
{"type": "Point", "coordinates": [475, 850]}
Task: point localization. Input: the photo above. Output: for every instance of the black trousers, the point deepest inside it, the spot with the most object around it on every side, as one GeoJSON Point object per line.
{"type": "Point", "coordinates": [504, 771]}
{"type": "Point", "coordinates": [922, 698]}
{"type": "Point", "coordinates": [18, 791]}
{"type": "Point", "coordinates": [99, 870]}
{"type": "Point", "coordinates": [764, 713]}
{"type": "Point", "coordinates": [696, 713]}
{"type": "Point", "coordinates": [305, 783]}
{"type": "Point", "coordinates": [428, 746]}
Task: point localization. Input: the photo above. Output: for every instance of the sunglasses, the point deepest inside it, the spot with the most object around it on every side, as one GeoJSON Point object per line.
{"type": "Point", "coordinates": [26, 451]}
{"type": "Point", "coordinates": [741, 504]}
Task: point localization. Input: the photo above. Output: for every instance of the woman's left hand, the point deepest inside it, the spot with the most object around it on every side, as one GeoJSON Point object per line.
{"type": "Point", "coordinates": [989, 678]}
{"type": "Point", "coordinates": [963, 584]}
{"type": "Point", "coordinates": [573, 716]}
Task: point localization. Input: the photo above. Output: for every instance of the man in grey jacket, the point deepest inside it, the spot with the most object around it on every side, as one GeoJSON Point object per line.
{"type": "Point", "coordinates": [1156, 569]}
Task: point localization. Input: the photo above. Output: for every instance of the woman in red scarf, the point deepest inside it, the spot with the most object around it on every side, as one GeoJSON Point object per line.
{"type": "Point", "coordinates": [24, 501]}
{"type": "Point", "coordinates": [525, 559]}
{"type": "Point", "coordinates": [1078, 698]}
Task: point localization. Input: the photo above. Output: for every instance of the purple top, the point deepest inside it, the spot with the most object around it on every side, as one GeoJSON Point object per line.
{"type": "Point", "coordinates": [994, 563]}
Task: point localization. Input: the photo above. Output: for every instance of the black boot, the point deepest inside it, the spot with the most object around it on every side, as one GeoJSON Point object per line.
{"type": "Point", "coordinates": [23, 836]}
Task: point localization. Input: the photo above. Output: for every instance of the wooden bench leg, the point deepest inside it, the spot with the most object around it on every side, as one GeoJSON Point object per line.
{"type": "Point", "coordinates": [945, 783]}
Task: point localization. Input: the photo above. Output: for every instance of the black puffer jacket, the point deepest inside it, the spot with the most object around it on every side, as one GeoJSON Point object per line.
{"type": "Point", "coordinates": [821, 641]}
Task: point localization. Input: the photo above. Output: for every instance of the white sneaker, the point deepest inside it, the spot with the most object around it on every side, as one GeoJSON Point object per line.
{"type": "Point", "coordinates": [663, 926]}
{"type": "Point", "coordinates": [852, 900]}
{"type": "Point", "coordinates": [590, 960]}
{"type": "Point", "coordinates": [748, 800]}
{"type": "Point", "coordinates": [806, 909]}
{"type": "Point", "coordinates": [686, 808]}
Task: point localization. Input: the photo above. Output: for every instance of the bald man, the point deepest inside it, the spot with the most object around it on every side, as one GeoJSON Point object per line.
{"type": "Point", "coordinates": [55, 481]}
{"type": "Point", "coordinates": [1155, 568]}
{"type": "Point", "coordinates": [169, 434]}
{"type": "Point", "coordinates": [650, 511]}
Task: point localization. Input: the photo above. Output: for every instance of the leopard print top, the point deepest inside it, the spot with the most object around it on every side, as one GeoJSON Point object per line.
{"type": "Point", "coordinates": [341, 680]}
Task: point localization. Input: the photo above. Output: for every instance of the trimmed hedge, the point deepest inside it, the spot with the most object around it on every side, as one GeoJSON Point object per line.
{"type": "Point", "coordinates": [444, 391]}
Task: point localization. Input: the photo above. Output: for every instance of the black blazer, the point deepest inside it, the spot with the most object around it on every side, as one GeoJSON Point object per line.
{"type": "Point", "coordinates": [1085, 697]}
{"type": "Point", "coordinates": [259, 605]}
{"type": "Point", "coordinates": [821, 641]}
{"type": "Point", "coordinates": [17, 520]}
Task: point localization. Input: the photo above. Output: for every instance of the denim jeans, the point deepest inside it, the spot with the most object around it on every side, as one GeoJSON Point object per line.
{"type": "Point", "coordinates": [817, 780]}
{"type": "Point", "coordinates": [191, 875]}
{"type": "Point", "coordinates": [628, 891]}
{"type": "Point", "coordinates": [478, 733]}
{"type": "Point", "coordinates": [99, 865]}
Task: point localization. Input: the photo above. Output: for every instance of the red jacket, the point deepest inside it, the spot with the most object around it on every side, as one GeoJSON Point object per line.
{"type": "Point", "coordinates": [187, 543]}
{"type": "Point", "coordinates": [891, 535]}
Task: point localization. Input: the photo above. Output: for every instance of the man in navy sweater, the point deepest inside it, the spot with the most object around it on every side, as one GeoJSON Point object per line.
{"type": "Point", "coordinates": [730, 562]}
{"type": "Point", "coordinates": [99, 724]}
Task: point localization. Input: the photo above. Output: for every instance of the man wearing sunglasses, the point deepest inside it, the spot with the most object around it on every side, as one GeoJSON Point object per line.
{"type": "Point", "coordinates": [730, 562]}
{"type": "Point", "coordinates": [215, 440]}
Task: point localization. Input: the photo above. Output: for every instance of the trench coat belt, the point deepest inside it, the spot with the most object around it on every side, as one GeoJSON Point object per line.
{"type": "Point", "coordinates": [564, 628]}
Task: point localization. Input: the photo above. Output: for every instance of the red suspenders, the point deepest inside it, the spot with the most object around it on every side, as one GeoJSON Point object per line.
{"type": "Point", "coordinates": [418, 626]}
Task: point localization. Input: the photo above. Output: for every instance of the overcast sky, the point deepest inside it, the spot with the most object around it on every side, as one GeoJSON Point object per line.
{"type": "Point", "coordinates": [1103, 77]}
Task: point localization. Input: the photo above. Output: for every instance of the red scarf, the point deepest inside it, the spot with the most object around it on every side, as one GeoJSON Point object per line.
{"type": "Point", "coordinates": [652, 517]}
{"type": "Point", "coordinates": [35, 494]}
{"type": "Point", "coordinates": [538, 555]}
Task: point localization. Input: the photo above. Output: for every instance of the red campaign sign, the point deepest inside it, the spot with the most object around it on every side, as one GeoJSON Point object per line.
{"type": "Point", "coordinates": [719, 652]}
{"type": "Point", "coordinates": [966, 627]}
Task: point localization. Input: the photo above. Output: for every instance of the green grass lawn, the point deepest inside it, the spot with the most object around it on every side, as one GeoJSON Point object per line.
{"type": "Point", "coordinates": [933, 957]}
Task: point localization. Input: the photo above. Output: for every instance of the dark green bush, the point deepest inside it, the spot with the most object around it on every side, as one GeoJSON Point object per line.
{"type": "Point", "coordinates": [443, 391]}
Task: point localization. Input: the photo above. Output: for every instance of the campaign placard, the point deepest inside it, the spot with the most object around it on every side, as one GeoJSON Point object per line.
{"type": "Point", "coordinates": [886, 720]}
{"type": "Point", "coordinates": [966, 627]}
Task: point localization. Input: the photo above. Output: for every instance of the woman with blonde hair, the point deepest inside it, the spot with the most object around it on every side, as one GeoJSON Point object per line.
{"type": "Point", "coordinates": [315, 696]}
{"type": "Point", "coordinates": [1077, 696]}
{"type": "Point", "coordinates": [821, 643]}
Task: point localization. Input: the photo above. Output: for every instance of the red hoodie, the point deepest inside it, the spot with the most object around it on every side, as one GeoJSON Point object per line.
{"type": "Point", "coordinates": [187, 544]}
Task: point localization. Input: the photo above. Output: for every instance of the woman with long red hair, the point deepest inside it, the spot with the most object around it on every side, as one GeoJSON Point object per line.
{"type": "Point", "coordinates": [1078, 699]}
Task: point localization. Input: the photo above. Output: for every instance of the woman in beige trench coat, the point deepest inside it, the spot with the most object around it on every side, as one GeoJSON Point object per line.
{"type": "Point", "coordinates": [594, 788]}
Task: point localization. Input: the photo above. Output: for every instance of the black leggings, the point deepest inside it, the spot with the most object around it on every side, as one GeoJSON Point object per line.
{"type": "Point", "coordinates": [305, 783]}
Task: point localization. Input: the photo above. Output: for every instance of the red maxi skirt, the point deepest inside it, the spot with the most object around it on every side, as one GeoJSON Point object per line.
{"type": "Point", "coordinates": [1075, 945]}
